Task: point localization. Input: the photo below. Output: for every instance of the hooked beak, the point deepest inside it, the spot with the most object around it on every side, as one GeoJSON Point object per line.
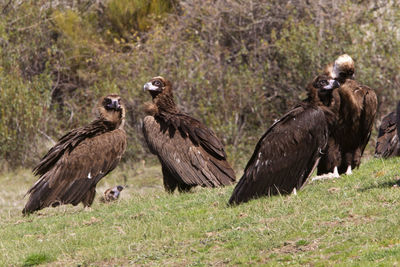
{"type": "Point", "coordinates": [150, 87]}
{"type": "Point", "coordinates": [114, 105]}
{"type": "Point", "coordinates": [333, 84]}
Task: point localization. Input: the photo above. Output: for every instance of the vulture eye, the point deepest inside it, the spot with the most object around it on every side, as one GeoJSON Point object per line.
{"type": "Point", "coordinates": [324, 82]}
{"type": "Point", "coordinates": [157, 83]}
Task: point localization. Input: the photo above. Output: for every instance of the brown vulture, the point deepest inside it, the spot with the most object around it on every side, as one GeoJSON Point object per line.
{"type": "Point", "coordinates": [354, 106]}
{"type": "Point", "coordinates": [189, 152]}
{"type": "Point", "coordinates": [71, 169]}
{"type": "Point", "coordinates": [112, 194]}
{"type": "Point", "coordinates": [289, 151]}
{"type": "Point", "coordinates": [388, 144]}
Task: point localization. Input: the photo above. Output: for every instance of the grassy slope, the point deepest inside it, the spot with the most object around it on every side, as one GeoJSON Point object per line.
{"type": "Point", "coordinates": [351, 221]}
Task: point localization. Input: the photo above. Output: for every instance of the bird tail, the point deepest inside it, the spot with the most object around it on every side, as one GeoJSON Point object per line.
{"type": "Point", "coordinates": [38, 193]}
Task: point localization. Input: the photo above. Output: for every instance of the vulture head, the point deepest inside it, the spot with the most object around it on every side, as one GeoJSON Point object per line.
{"type": "Point", "coordinates": [161, 91]}
{"type": "Point", "coordinates": [112, 194]}
{"type": "Point", "coordinates": [321, 87]}
{"type": "Point", "coordinates": [111, 109]}
{"type": "Point", "coordinates": [343, 68]}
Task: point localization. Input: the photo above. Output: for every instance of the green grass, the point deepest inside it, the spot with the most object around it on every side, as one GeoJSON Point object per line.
{"type": "Point", "coordinates": [347, 221]}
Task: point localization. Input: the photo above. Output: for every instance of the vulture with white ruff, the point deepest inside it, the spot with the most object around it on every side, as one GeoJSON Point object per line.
{"type": "Point", "coordinates": [355, 108]}
{"type": "Point", "coordinates": [189, 152]}
{"type": "Point", "coordinates": [289, 151]}
{"type": "Point", "coordinates": [70, 171]}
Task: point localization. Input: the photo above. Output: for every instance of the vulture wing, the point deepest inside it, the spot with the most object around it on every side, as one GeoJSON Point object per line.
{"type": "Point", "coordinates": [189, 152]}
{"type": "Point", "coordinates": [71, 169]}
{"type": "Point", "coordinates": [370, 105]}
{"type": "Point", "coordinates": [387, 144]}
{"type": "Point", "coordinates": [285, 156]}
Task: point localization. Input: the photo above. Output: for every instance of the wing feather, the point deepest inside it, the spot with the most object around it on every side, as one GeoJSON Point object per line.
{"type": "Point", "coordinates": [78, 171]}
{"type": "Point", "coordinates": [189, 162]}
{"type": "Point", "coordinates": [285, 156]}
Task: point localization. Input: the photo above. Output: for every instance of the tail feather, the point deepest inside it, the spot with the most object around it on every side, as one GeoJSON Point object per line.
{"type": "Point", "coordinates": [37, 197]}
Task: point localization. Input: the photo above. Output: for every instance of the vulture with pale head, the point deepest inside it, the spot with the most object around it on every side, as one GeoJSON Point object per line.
{"type": "Point", "coordinates": [71, 169]}
{"type": "Point", "coordinates": [355, 108]}
{"type": "Point", "coordinates": [288, 152]}
{"type": "Point", "coordinates": [388, 144]}
{"type": "Point", "coordinates": [189, 152]}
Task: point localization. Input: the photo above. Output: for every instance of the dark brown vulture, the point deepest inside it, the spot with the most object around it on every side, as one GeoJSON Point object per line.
{"type": "Point", "coordinates": [112, 194]}
{"type": "Point", "coordinates": [70, 171]}
{"type": "Point", "coordinates": [189, 152]}
{"type": "Point", "coordinates": [289, 151]}
{"type": "Point", "coordinates": [388, 144]}
{"type": "Point", "coordinates": [355, 107]}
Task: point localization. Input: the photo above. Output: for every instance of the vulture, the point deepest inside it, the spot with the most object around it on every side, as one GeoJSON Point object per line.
{"type": "Point", "coordinates": [112, 194]}
{"type": "Point", "coordinates": [354, 106]}
{"type": "Point", "coordinates": [71, 169]}
{"type": "Point", "coordinates": [288, 152]}
{"type": "Point", "coordinates": [190, 153]}
{"type": "Point", "coordinates": [388, 144]}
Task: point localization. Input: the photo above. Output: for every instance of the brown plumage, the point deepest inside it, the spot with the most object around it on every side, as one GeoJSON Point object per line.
{"type": "Point", "coordinates": [71, 169]}
{"type": "Point", "coordinates": [355, 107]}
{"type": "Point", "coordinates": [189, 152]}
{"type": "Point", "coordinates": [388, 144]}
{"type": "Point", "coordinates": [288, 152]}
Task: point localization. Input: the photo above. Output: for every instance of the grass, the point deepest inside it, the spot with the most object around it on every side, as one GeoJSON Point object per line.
{"type": "Point", "coordinates": [347, 221]}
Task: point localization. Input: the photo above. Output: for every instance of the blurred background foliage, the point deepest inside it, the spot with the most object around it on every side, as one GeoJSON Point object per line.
{"type": "Point", "coordinates": [235, 65]}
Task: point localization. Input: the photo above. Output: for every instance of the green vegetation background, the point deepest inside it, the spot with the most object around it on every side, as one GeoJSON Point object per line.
{"type": "Point", "coordinates": [235, 65]}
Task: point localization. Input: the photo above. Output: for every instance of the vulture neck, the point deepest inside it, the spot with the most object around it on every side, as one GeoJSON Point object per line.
{"type": "Point", "coordinates": [165, 101]}
{"type": "Point", "coordinates": [313, 97]}
{"type": "Point", "coordinates": [112, 119]}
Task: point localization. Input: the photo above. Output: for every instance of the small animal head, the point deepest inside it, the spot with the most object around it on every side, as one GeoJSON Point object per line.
{"type": "Point", "coordinates": [112, 194]}
{"type": "Point", "coordinates": [343, 68]}
{"type": "Point", "coordinates": [112, 109]}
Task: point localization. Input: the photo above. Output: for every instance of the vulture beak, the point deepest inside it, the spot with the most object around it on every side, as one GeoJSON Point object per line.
{"type": "Point", "coordinates": [114, 105]}
{"type": "Point", "coordinates": [120, 188]}
{"type": "Point", "coordinates": [333, 84]}
{"type": "Point", "coordinates": [150, 87]}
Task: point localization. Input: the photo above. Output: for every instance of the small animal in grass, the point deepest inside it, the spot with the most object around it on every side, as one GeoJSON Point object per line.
{"type": "Point", "coordinates": [111, 194]}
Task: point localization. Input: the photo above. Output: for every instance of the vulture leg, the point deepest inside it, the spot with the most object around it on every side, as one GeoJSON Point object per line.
{"type": "Point", "coordinates": [89, 197]}
{"type": "Point", "coordinates": [348, 162]}
{"type": "Point", "coordinates": [170, 182]}
{"type": "Point", "coordinates": [348, 171]}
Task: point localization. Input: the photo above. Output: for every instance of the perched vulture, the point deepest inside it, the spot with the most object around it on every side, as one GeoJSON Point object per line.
{"type": "Point", "coordinates": [355, 107]}
{"type": "Point", "coordinates": [388, 144]}
{"type": "Point", "coordinates": [112, 194]}
{"type": "Point", "coordinates": [189, 152]}
{"type": "Point", "coordinates": [70, 171]}
{"type": "Point", "coordinates": [289, 151]}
